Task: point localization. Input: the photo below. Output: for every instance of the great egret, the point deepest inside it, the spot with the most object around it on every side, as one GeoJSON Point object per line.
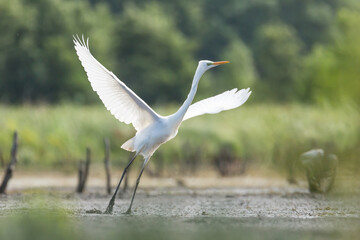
{"type": "Point", "coordinates": [152, 129]}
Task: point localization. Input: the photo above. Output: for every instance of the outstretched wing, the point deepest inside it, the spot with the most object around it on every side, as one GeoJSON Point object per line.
{"type": "Point", "coordinates": [120, 100]}
{"type": "Point", "coordinates": [224, 101]}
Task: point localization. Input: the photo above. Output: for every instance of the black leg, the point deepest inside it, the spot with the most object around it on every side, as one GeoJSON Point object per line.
{"type": "Point", "coordinates": [126, 178]}
{"type": "Point", "coordinates": [137, 183]}
{"type": "Point", "coordinates": [109, 208]}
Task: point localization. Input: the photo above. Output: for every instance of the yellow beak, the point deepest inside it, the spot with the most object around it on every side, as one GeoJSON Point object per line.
{"type": "Point", "coordinates": [219, 63]}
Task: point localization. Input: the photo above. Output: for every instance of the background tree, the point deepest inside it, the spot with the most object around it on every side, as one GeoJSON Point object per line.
{"type": "Point", "coordinates": [313, 20]}
{"type": "Point", "coordinates": [332, 71]}
{"type": "Point", "coordinates": [278, 58]}
{"type": "Point", "coordinates": [241, 71]}
{"type": "Point", "coordinates": [153, 57]}
{"type": "Point", "coordinates": [37, 57]}
{"type": "Point", "coordinates": [292, 48]}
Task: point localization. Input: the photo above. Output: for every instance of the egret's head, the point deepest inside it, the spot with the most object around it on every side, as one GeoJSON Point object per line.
{"type": "Point", "coordinates": [206, 64]}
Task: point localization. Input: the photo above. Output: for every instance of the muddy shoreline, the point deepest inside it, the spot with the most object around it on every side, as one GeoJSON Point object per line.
{"type": "Point", "coordinates": [278, 207]}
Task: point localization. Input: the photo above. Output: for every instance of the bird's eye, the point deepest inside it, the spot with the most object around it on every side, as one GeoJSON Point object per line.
{"type": "Point", "coordinates": [209, 64]}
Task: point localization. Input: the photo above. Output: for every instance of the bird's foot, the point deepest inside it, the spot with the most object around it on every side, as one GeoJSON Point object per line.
{"type": "Point", "coordinates": [128, 211]}
{"type": "Point", "coordinates": [109, 208]}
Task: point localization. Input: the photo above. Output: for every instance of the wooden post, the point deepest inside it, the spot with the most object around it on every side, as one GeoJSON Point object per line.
{"type": "Point", "coordinates": [87, 165]}
{"type": "Point", "coordinates": [84, 171]}
{"type": "Point", "coordinates": [81, 167]}
{"type": "Point", "coordinates": [10, 168]}
{"type": "Point", "coordinates": [107, 165]}
{"type": "Point", "coordinates": [2, 159]}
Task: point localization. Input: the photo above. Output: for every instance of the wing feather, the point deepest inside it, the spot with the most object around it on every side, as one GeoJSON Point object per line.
{"type": "Point", "coordinates": [224, 101]}
{"type": "Point", "coordinates": [120, 100]}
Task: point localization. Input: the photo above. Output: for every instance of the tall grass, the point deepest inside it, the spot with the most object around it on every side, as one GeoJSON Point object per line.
{"type": "Point", "coordinates": [270, 135]}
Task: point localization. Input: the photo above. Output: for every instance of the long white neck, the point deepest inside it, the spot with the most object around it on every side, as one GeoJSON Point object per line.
{"type": "Point", "coordinates": [179, 115]}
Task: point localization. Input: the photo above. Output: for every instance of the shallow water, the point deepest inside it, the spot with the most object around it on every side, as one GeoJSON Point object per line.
{"type": "Point", "coordinates": [256, 212]}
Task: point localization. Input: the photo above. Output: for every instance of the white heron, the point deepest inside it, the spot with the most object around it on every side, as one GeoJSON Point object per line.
{"type": "Point", "coordinates": [152, 129]}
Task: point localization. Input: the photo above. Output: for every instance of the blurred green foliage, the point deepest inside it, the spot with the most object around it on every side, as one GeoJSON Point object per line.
{"type": "Point", "coordinates": [37, 59]}
{"type": "Point", "coordinates": [286, 50]}
{"type": "Point", "coordinates": [278, 55]}
{"type": "Point", "coordinates": [263, 135]}
{"type": "Point", "coordinates": [333, 70]}
{"type": "Point", "coordinates": [147, 38]}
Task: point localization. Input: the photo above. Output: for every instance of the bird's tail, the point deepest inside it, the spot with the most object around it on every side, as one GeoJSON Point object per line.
{"type": "Point", "coordinates": [129, 145]}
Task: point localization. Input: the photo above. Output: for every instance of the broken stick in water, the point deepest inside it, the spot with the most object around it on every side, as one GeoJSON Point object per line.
{"type": "Point", "coordinates": [84, 171]}
{"type": "Point", "coordinates": [10, 168]}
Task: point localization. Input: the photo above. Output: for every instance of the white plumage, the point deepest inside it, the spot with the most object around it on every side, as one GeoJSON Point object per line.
{"type": "Point", "coordinates": [224, 101]}
{"type": "Point", "coordinates": [152, 129]}
{"type": "Point", "coordinates": [120, 100]}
